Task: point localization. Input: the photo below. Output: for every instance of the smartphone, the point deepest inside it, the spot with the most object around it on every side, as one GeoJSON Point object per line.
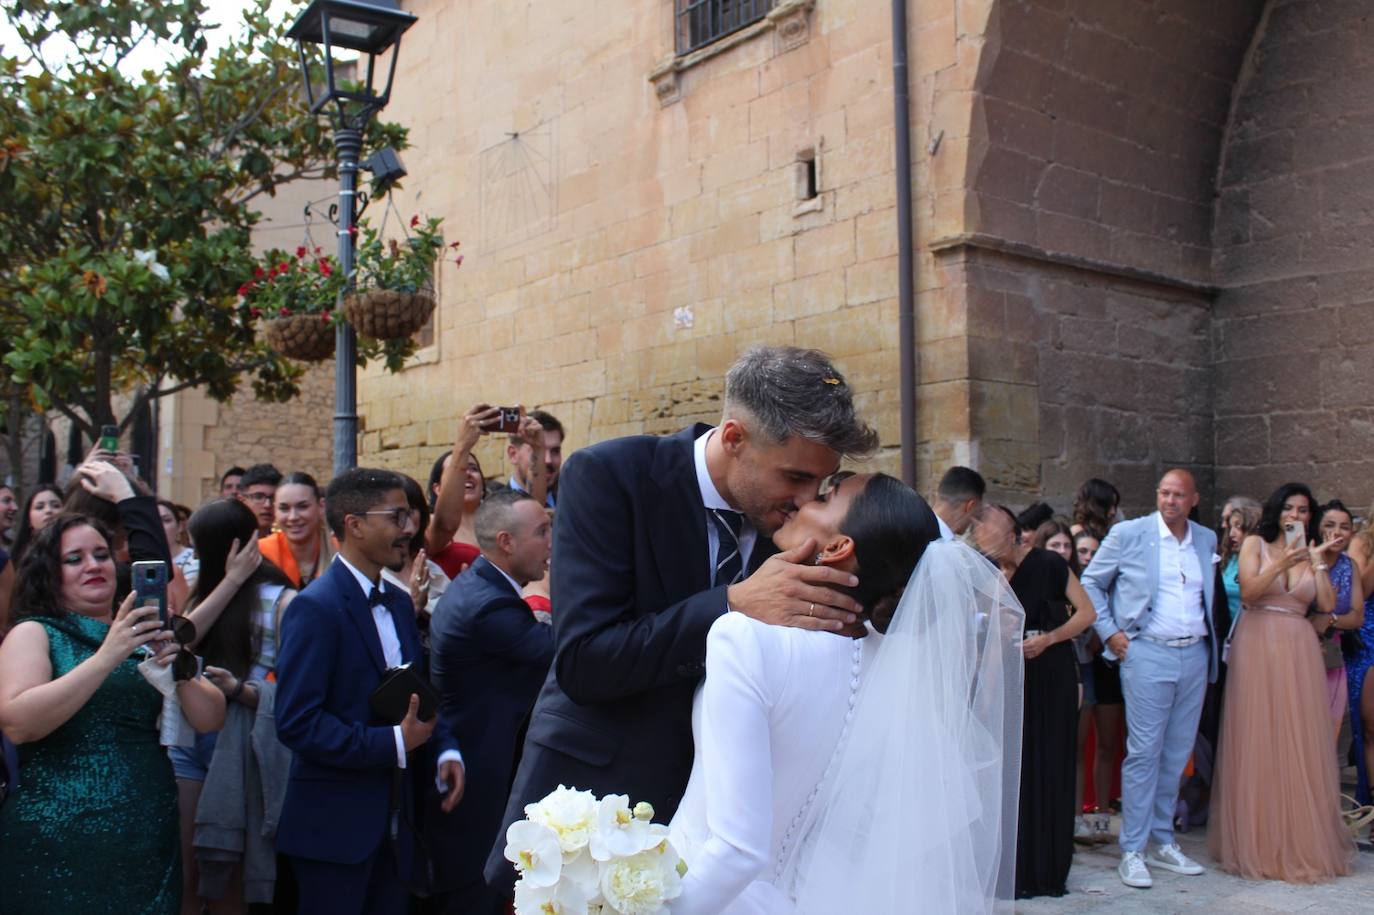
{"type": "Point", "coordinates": [1294, 535]}
{"type": "Point", "coordinates": [150, 586]}
{"type": "Point", "coordinates": [509, 420]}
{"type": "Point", "coordinates": [109, 438]}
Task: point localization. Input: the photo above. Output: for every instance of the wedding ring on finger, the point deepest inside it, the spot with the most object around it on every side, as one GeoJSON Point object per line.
{"type": "Point", "coordinates": [811, 611]}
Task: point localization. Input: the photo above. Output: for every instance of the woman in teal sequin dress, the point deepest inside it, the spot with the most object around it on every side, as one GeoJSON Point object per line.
{"type": "Point", "coordinates": [93, 828]}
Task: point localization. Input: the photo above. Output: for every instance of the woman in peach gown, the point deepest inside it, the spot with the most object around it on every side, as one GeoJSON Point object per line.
{"type": "Point", "coordinates": [1276, 810]}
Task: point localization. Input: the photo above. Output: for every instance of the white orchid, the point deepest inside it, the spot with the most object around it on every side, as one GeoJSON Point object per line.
{"type": "Point", "coordinates": [642, 884]}
{"type": "Point", "coordinates": [582, 869]}
{"type": "Point", "coordinates": [569, 813]}
{"type": "Point", "coordinates": [149, 260]}
{"type": "Point", "coordinates": [535, 852]}
{"type": "Point", "coordinates": [619, 831]}
{"type": "Point", "coordinates": [567, 898]}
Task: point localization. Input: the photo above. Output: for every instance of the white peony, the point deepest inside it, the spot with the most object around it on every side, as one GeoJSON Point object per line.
{"type": "Point", "coordinates": [641, 884]}
{"type": "Point", "coordinates": [569, 813]}
{"type": "Point", "coordinates": [567, 898]}
{"type": "Point", "coordinates": [619, 832]}
{"type": "Point", "coordinates": [535, 852]}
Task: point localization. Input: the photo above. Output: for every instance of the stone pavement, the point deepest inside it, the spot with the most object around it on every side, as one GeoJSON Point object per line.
{"type": "Point", "coordinates": [1095, 887]}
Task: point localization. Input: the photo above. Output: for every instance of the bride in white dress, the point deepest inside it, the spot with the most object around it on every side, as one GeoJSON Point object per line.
{"type": "Point", "coordinates": [871, 776]}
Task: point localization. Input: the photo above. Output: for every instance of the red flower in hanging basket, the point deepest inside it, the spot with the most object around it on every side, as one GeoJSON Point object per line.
{"type": "Point", "coordinates": [325, 269]}
{"type": "Point", "coordinates": [259, 273]}
{"type": "Point", "coordinates": [255, 312]}
{"type": "Point", "coordinates": [414, 220]}
{"type": "Point", "coordinates": [300, 252]}
{"type": "Point", "coordinates": [284, 312]}
{"type": "Point", "coordinates": [245, 289]}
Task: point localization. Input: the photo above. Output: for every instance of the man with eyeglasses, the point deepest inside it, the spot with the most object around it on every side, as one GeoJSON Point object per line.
{"type": "Point", "coordinates": [257, 489]}
{"type": "Point", "coordinates": [342, 823]}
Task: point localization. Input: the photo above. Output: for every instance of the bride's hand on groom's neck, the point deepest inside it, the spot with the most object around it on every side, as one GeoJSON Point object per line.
{"type": "Point", "coordinates": [786, 591]}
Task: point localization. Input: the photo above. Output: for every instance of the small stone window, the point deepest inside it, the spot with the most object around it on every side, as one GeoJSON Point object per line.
{"type": "Point", "coordinates": [700, 22]}
{"type": "Point", "coordinates": [806, 181]}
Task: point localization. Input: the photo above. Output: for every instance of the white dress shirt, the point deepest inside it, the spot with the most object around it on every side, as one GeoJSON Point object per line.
{"type": "Point", "coordinates": [711, 498]}
{"type": "Point", "coordinates": [391, 652]}
{"type": "Point", "coordinates": [1178, 606]}
{"type": "Point", "coordinates": [946, 532]}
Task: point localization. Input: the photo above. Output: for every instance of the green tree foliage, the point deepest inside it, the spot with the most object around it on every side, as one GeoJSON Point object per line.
{"type": "Point", "coordinates": [127, 202]}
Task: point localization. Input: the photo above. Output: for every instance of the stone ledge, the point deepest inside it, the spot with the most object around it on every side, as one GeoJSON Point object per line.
{"type": "Point", "coordinates": [981, 241]}
{"type": "Point", "coordinates": [789, 21]}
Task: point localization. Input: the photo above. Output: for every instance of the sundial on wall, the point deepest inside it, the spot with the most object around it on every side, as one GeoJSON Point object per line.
{"type": "Point", "coordinates": [518, 187]}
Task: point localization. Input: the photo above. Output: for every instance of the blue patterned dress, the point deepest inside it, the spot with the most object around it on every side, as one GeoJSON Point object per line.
{"type": "Point", "coordinates": [1356, 666]}
{"type": "Point", "coordinates": [93, 828]}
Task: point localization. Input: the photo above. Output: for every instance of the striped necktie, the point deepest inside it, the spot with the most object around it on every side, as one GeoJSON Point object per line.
{"type": "Point", "coordinates": [729, 561]}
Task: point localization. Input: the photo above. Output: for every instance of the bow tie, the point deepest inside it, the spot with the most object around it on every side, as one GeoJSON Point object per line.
{"type": "Point", "coordinates": [375, 598]}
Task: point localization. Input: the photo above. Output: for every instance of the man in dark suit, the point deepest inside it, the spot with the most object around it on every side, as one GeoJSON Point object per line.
{"type": "Point", "coordinates": [657, 537]}
{"type": "Point", "coordinates": [489, 655]}
{"type": "Point", "coordinates": [340, 823]}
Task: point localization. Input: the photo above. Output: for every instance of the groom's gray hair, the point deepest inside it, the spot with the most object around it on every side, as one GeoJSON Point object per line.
{"type": "Point", "coordinates": [787, 391]}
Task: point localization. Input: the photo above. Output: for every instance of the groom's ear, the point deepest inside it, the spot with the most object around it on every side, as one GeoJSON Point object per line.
{"type": "Point", "coordinates": [837, 551]}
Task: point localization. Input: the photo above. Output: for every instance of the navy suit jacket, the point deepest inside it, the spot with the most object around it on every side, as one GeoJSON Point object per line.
{"type": "Point", "coordinates": [634, 601]}
{"type": "Point", "coordinates": [329, 660]}
{"type": "Point", "coordinates": [488, 657]}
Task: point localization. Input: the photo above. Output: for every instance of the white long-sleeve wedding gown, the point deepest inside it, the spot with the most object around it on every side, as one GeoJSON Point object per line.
{"type": "Point", "coordinates": [873, 775]}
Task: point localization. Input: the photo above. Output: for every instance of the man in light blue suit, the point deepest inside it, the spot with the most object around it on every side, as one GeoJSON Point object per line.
{"type": "Point", "coordinates": [1151, 583]}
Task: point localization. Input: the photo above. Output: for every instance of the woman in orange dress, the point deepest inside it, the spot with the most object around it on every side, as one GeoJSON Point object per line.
{"type": "Point", "coordinates": [1276, 811]}
{"type": "Point", "coordinates": [301, 546]}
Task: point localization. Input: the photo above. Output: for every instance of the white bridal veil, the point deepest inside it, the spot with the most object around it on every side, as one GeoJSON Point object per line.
{"type": "Point", "coordinates": [919, 811]}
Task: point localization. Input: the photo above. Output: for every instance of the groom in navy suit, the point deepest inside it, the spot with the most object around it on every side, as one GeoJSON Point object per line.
{"type": "Point", "coordinates": [655, 538]}
{"type": "Point", "coordinates": [341, 823]}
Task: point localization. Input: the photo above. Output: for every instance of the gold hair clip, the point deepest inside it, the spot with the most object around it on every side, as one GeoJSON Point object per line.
{"type": "Point", "coordinates": [831, 380]}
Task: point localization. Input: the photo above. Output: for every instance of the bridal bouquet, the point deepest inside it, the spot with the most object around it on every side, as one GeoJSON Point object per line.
{"type": "Point", "coordinates": [578, 855]}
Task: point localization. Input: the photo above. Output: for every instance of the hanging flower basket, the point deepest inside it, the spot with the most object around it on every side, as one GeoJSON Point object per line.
{"type": "Point", "coordinates": [305, 337]}
{"type": "Point", "coordinates": [389, 314]}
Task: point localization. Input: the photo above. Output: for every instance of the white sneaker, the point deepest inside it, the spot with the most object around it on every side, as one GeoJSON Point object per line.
{"type": "Point", "coordinates": [1133, 871]}
{"type": "Point", "coordinates": [1082, 832]}
{"type": "Point", "coordinates": [1171, 858]}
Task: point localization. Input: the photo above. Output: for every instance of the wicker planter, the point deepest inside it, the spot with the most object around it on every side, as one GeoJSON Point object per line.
{"type": "Point", "coordinates": [388, 314]}
{"type": "Point", "coordinates": [307, 338]}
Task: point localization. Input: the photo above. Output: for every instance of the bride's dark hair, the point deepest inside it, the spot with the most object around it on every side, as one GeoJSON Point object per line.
{"type": "Point", "coordinates": [891, 526]}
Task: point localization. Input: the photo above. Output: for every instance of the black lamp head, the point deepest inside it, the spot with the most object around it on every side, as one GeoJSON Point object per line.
{"type": "Point", "coordinates": [370, 27]}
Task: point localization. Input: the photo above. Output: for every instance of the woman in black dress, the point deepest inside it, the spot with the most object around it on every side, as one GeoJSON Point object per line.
{"type": "Point", "coordinates": [1047, 590]}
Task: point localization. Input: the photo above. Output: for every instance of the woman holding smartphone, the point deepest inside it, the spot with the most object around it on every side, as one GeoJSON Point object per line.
{"type": "Point", "coordinates": [94, 826]}
{"type": "Point", "coordinates": [1276, 809]}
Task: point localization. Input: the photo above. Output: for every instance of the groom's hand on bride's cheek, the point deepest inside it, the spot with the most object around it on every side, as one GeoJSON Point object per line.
{"type": "Point", "coordinates": [788, 591]}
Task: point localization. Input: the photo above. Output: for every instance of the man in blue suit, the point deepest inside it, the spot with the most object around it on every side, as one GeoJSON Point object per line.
{"type": "Point", "coordinates": [340, 823]}
{"type": "Point", "coordinates": [1151, 583]}
{"type": "Point", "coordinates": [489, 658]}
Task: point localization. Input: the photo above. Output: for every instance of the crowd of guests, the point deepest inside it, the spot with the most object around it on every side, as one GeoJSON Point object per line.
{"type": "Point", "coordinates": [1227, 662]}
{"type": "Point", "coordinates": [100, 768]}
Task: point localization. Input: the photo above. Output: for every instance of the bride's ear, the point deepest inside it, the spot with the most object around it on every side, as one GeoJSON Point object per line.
{"type": "Point", "coordinates": [839, 550]}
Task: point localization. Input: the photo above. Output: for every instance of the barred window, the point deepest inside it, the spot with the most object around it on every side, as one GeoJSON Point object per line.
{"type": "Point", "coordinates": [700, 22]}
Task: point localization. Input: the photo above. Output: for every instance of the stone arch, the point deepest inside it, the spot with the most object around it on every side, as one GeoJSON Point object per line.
{"type": "Point", "coordinates": [1086, 257]}
{"type": "Point", "coordinates": [1293, 323]}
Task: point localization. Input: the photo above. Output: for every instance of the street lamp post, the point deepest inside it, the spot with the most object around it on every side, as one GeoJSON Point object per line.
{"type": "Point", "coordinates": [371, 28]}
